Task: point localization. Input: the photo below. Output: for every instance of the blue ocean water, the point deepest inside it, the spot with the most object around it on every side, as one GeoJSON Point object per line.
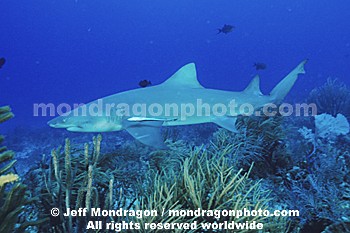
{"type": "Point", "coordinates": [66, 51]}
{"type": "Point", "coordinates": [76, 51]}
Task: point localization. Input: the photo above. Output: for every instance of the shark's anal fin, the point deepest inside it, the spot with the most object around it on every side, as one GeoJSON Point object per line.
{"type": "Point", "coordinates": [147, 132]}
{"type": "Point", "coordinates": [226, 122]}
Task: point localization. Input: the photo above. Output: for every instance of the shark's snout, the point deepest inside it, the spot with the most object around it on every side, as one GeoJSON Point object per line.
{"type": "Point", "coordinates": [84, 124]}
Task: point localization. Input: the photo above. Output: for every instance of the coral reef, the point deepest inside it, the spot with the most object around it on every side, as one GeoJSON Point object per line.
{"type": "Point", "coordinates": [300, 176]}
{"type": "Point", "coordinates": [5, 113]}
{"type": "Point", "coordinates": [206, 180]}
{"type": "Point", "coordinates": [72, 179]}
{"type": "Point", "coordinates": [13, 197]}
{"type": "Point", "coordinates": [329, 127]}
{"type": "Point", "coordinates": [261, 140]}
{"type": "Point", "coordinates": [332, 98]}
{"type": "Point", "coordinates": [8, 178]}
{"type": "Point", "coordinates": [299, 163]}
{"type": "Point", "coordinates": [318, 192]}
{"type": "Point", "coordinates": [181, 178]}
{"type": "Point", "coordinates": [317, 182]}
{"type": "Point", "coordinates": [328, 130]}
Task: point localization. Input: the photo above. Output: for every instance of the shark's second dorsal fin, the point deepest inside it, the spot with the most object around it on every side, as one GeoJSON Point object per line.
{"type": "Point", "coordinates": [186, 76]}
{"type": "Point", "coordinates": [254, 86]}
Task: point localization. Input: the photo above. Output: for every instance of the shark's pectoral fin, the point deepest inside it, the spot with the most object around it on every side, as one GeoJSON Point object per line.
{"type": "Point", "coordinates": [226, 122]}
{"type": "Point", "coordinates": [147, 132]}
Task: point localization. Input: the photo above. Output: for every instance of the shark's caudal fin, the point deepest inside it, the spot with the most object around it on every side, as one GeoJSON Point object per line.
{"type": "Point", "coordinates": [282, 88]}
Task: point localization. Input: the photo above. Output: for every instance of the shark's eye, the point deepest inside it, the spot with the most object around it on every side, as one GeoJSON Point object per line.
{"type": "Point", "coordinates": [66, 119]}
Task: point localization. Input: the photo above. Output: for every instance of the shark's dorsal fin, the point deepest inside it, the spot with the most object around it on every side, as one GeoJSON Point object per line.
{"type": "Point", "coordinates": [186, 76]}
{"type": "Point", "coordinates": [254, 86]}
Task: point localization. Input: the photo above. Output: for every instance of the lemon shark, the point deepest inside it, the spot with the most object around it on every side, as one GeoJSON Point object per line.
{"type": "Point", "coordinates": [180, 100]}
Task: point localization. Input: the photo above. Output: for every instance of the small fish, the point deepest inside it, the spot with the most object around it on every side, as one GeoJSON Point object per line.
{"type": "Point", "coordinates": [145, 83]}
{"type": "Point", "coordinates": [226, 29]}
{"type": "Point", "coordinates": [260, 66]}
{"type": "Point", "coordinates": [2, 62]}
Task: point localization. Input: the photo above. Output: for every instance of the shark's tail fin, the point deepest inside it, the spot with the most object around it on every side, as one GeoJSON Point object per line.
{"type": "Point", "coordinates": [282, 88]}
